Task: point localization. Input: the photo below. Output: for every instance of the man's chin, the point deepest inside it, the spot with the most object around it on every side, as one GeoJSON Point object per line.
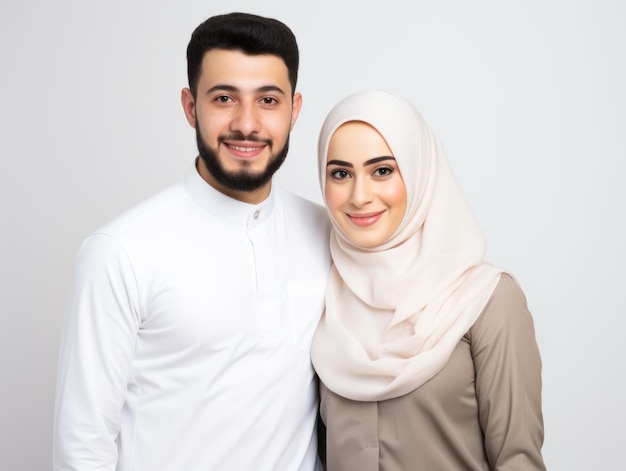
{"type": "Point", "coordinates": [241, 175]}
{"type": "Point", "coordinates": [245, 181]}
{"type": "Point", "coordinates": [245, 168]}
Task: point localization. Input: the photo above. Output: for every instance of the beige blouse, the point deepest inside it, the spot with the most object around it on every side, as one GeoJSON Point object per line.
{"type": "Point", "coordinates": [482, 411]}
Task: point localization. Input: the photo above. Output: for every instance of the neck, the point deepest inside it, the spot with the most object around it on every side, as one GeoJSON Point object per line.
{"type": "Point", "coordinates": [251, 197]}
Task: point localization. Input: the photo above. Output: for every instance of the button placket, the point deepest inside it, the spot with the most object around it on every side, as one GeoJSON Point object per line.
{"type": "Point", "coordinates": [268, 307]}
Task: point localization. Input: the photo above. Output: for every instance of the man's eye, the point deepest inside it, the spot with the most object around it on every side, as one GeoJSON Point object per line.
{"type": "Point", "coordinates": [222, 99]}
{"type": "Point", "coordinates": [268, 100]}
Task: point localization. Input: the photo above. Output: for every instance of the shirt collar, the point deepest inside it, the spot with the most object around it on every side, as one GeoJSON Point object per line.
{"type": "Point", "coordinates": [225, 207]}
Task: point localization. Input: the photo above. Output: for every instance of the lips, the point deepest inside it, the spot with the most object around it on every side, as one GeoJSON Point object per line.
{"type": "Point", "coordinates": [245, 151]}
{"type": "Point", "coordinates": [365, 220]}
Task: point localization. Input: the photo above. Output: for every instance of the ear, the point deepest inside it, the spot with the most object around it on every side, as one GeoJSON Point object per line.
{"type": "Point", "coordinates": [295, 108]}
{"type": "Point", "coordinates": [189, 106]}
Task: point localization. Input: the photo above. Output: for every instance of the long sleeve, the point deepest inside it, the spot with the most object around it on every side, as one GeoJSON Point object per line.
{"type": "Point", "coordinates": [97, 347]}
{"type": "Point", "coordinates": [508, 381]}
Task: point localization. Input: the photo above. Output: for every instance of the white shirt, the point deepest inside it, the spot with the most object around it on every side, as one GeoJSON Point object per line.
{"type": "Point", "coordinates": [187, 337]}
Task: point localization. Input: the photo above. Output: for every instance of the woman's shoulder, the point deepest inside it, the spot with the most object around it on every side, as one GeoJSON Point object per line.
{"type": "Point", "coordinates": [505, 314]}
{"type": "Point", "coordinates": [507, 292]}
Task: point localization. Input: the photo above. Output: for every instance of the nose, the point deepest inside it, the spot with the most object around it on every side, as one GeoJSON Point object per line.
{"type": "Point", "coordinates": [246, 119]}
{"type": "Point", "coordinates": [361, 193]}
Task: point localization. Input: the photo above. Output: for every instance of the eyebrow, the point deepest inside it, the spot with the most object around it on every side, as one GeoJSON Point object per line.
{"type": "Point", "coordinates": [233, 89]}
{"type": "Point", "coordinates": [375, 160]}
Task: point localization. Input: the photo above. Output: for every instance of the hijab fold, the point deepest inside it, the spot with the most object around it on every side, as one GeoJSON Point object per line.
{"type": "Point", "coordinates": [394, 313]}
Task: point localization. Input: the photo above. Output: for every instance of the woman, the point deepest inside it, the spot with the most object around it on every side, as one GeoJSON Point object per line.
{"type": "Point", "coordinates": [426, 353]}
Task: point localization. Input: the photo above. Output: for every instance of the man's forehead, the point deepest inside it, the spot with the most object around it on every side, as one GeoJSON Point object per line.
{"type": "Point", "coordinates": [234, 68]}
{"type": "Point", "coordinates": [238, 58]}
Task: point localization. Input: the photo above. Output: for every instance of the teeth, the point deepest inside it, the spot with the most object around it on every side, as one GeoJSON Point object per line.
{"type": "Point", "coordinates": [245, 149]}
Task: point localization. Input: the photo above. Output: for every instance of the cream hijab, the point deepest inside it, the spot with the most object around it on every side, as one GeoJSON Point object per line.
{"type": "Point", "coordinates": [395, 313]}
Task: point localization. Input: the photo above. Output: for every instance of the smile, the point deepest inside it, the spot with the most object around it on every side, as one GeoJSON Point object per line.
{"type": "Point", "coordinates": [245, 152]}
{"type": "Point", "coordinates": [365, 220]}
{"type": "Point", "coordinates": [244, 149]}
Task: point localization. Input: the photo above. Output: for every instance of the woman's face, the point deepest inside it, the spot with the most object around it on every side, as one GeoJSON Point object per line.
{"type": "Point", "coordinates": [364, 190]}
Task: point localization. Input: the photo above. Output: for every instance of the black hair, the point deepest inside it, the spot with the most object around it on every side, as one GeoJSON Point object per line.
{"type": "Point", "coordinates": [251, 34]}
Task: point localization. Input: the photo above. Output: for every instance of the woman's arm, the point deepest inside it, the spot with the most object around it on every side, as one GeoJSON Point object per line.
{"type": "Point", "coordinates": [508, 380]}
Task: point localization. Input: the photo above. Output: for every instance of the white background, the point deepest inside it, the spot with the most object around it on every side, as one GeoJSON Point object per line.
{"type": "Point", "coordinates": [528, 97]}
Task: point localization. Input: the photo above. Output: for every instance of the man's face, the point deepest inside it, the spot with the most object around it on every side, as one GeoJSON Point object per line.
{"type": "Point", "coordinates": [243, 113]}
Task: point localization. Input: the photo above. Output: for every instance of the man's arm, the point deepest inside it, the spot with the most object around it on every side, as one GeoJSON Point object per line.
{"type": "Point", "coordinates": [95, 359]}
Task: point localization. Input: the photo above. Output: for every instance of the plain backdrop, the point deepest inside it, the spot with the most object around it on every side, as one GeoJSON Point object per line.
{"type": "Point", "coordinates": [528, 97]}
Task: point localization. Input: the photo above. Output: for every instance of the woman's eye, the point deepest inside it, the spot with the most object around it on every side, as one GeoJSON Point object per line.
{"type": "Point", "coordinates": [339, 174]}
{"type": "Point", "coordinates": [383, 171]}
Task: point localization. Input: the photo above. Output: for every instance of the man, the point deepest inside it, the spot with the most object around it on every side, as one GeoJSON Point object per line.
{"type": "Point", "coordinates": [186, 344]}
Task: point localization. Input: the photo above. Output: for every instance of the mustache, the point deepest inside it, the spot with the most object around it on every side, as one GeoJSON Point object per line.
{"type": "Point", "coordinates": [239, 136]}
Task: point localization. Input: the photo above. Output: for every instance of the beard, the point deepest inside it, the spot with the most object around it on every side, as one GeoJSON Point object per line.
{"type": "Point", "coordinates": [240, 180]}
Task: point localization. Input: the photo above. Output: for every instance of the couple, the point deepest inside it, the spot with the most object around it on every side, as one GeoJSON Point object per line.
{"type": "Point", "coordinates": [194, 319]}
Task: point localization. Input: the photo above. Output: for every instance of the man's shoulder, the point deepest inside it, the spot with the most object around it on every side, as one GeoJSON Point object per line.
{"type": "Point", "coordinates": [291, 199]}
{"type": "Point", "coordinates": [307, 230]}
{"type": "Point", "coordinates": [302, 208]}
{"type": "Point", "coordinates": [151, 211]}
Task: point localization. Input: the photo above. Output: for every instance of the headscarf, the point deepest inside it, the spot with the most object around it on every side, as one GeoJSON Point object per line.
{"type": "Point", "coordinates": [395, 312]}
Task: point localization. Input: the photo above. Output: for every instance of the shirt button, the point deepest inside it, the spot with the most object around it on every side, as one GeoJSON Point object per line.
{"type": "Point", "coordinates": [256, 214]}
